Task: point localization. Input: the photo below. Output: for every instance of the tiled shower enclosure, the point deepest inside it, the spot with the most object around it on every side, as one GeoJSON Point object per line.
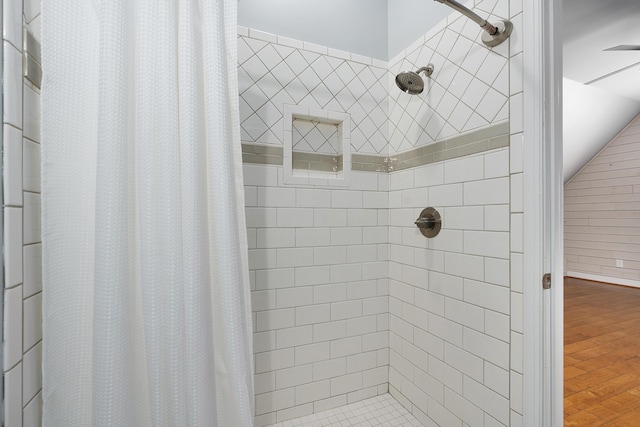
{"type": "Point", "coordinates": [350, 301]}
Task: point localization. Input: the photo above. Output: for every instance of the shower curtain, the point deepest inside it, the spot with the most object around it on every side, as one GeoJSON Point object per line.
{"type": "Point", "coordinates": [146, 315]}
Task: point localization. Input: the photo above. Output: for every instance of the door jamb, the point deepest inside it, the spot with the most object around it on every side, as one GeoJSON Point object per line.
{"type": "Point", "coordinates": [542, 125]}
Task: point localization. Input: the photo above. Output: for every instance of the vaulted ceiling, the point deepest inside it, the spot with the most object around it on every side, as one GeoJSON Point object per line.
{"type": "Point", "coordinates": [602, 87]}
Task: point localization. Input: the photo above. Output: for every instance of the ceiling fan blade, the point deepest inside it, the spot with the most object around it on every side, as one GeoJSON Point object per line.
{"type": "Point", "coordinates": [625, 47]}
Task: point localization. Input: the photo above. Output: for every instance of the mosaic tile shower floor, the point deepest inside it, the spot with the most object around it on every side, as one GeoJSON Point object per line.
{"type": "Point", "coordinates": [383, 411]}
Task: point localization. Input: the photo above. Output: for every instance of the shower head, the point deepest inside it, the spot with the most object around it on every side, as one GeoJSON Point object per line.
{"type": "Point", "coordinates": [411, 82]}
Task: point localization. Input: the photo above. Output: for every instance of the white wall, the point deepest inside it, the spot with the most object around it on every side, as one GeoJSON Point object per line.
{"type": "Point", "coordinates": [358, 26]}
{"type": "Point", "coordinates": [410, 19]}
{"type": "Point", "coordinates": [377, 28]}
{"type": "Point", "coordinates": [455, 300]}
{"type": "Point", "coordinates": [602, 224]}
{"type": "Point", "coordinates": [450, 300]}
{"type": "Point", "coordinates": [591, 118]}
{"type": "Point", "coordinates": [22, 338]}
{"type": "Point", "coordinates": [318, 261]}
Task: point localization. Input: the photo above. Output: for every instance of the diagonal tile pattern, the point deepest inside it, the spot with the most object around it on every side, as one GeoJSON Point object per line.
{"type": "Point", "coordinates": [271, 75]}
{"type": "Point", "coordinates": [468, 90]}
{"type": "Point", "coordinates": [311, 136]}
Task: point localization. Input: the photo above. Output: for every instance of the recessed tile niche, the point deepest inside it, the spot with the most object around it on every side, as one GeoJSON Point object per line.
{"type": "Point", "coordinates": [317, 146]}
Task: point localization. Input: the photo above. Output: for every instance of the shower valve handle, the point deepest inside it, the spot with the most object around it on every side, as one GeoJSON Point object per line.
{"type": "Point", "coordinates": [426, 222]}
{"type": "Point", "coordinates": [429, 222]}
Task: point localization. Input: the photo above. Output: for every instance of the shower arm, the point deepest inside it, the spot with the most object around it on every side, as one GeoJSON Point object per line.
{"type": "Point", "coordinates": [428, 70]}
{"type": "Point", "coordinates": [496, 34]}
{"type": "Point", "coordinates": [484, 24]}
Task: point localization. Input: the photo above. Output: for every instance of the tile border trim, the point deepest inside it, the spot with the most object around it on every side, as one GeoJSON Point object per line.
{"type": "Point", "coordinates": [489, 138]}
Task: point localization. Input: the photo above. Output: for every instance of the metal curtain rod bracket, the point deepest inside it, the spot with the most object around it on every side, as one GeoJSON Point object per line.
{"type": "Point", "coordinates": [494, 33]}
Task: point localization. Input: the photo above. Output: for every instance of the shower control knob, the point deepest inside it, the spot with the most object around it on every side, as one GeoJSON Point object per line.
{"type": "Point", "coordinates": [429, 222]}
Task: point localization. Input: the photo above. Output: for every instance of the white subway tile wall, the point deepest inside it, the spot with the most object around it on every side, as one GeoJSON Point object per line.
{"type": "Point", "coordinates": [320, 294]}
{"type": "Point", "coordinates": [21, 200]}
{"type": "Point", "coordinates": [449, 296]}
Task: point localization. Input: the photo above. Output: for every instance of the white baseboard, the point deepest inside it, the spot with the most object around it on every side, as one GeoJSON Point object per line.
{"type": "Point", "coordinates": [614, 280]}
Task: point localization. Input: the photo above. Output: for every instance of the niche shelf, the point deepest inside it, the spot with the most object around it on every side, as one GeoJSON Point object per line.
{"type": "Point", "coordinates": [317, 146]}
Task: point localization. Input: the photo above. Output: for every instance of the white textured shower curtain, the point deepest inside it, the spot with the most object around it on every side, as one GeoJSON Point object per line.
{"type": "Point", "coordinates": [146, 311]}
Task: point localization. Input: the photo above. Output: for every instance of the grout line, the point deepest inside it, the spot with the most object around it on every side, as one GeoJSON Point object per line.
{"type": "Point", "coordinates": [32, 398]}
{"type": "Point", "coordinates": [31, 140]}
{"type": "Point", "coordinates": [12, 125]}
{"type": "Point", "coordinates": [38, 342]}
{"type": "Point", "coordinates": [13, 367]}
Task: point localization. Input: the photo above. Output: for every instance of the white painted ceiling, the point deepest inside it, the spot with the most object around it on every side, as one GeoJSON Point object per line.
{"type": "Point", "coordinates": [602, 88]}
{"type": "Point", "coordinates": [590, 27]}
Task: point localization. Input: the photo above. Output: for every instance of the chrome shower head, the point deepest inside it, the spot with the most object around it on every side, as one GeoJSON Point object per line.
{"type": "Point", "coordinates": [411, 82]}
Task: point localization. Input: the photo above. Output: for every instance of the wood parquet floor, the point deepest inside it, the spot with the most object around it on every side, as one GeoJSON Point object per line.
{"type": "Point", "coordinates": [601, 354]}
